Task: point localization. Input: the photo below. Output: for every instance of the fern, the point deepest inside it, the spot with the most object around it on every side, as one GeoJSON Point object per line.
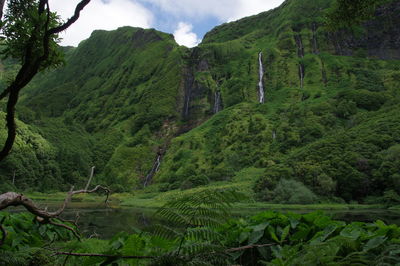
{"type": "Point", "coordinates": [198, 217]}
{"type": "Point", "coordinates": [390, 255]}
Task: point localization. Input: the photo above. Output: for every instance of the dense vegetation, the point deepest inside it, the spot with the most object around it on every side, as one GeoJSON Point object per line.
{"type": "Point", "coordinates": [201, 235]}
{"type": "Point", "coordinates": [328, 131]}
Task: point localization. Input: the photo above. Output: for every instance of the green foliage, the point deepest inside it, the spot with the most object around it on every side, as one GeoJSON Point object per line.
{"type": "Point", "coordinates": [25, 239]}
{"type": "Point", "coordinates": [291, 192]}
{"type": "Point", "coordinates": [195, 220]}
{"type": "Point", "coordinates": [311, 239]}
{"type": "Point", "coordinates": [347, 13]}
{"type": "Point", "coordinates": [22, 26]}
{"type": "Point", "coordinates": [120, 100]}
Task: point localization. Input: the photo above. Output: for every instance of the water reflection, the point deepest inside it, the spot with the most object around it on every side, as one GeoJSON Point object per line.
{"type": "Point", "coordinates": [99, 220]}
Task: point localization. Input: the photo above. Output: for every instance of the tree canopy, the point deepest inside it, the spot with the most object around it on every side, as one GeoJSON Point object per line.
{"type": "Point", "coordinates": [30, 31]}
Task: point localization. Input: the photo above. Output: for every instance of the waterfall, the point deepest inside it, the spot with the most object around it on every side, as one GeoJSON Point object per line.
{"type": "Point", "coordinates": [261, 75]}
{"type": "Point", "coordinates": [187, 102]}
{"type": "Point", "coordinates": [301, 74]}
{"type": "Point", "coordinates": [314, 38]}
{"type": "Point", "coordinates": [300, 47]}
{"type": "Point", "coordinates": [217, 102]}
{"type": "Point", "coordinates": [153, 171]}
{"type": "Point", "coordinates": [274, 135]}
{"type": "Point", "coordinates": [189, 83]}
{"type": "Point", "coordinates": [300, 53]}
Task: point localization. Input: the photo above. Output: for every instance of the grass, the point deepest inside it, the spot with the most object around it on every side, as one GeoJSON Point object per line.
{"type": "Point", "coordinates": [152, 199]}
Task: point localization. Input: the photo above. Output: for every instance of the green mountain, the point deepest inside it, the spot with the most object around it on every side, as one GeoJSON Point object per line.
{"type": "Point", "coordinates": [323, 122]}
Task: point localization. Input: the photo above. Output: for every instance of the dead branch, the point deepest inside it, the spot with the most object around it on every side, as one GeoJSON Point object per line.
{"type": "Point", "coordinates": [249, 247]}
{"type": "Point", "coordinates": [66, 227]}
{"type": "Point", "coordinates": [148, 257]}
{"type": "Point", "coordinates": [102, 255]}
{"type": "Point", "coordinates": [42, 215]}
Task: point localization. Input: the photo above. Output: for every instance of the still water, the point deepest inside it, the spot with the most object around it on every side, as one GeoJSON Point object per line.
{"type": "Point", "coordinates": [104, 221]}
{"type": "Point", "coordinates": [98, 219]}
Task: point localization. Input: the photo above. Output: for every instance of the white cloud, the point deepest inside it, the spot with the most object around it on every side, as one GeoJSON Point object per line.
{"type": "Point", "coordinates": [224, 10]}
{"type": "Point", "coordinates": [101, 14]}
{"type": "Point", "coordinates": [184, 35]}
{"type": "Point", "coordinates": [252, 7]}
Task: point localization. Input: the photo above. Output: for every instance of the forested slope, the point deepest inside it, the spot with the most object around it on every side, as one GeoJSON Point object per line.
{"type": "Point", "coordinates": [328, 127]}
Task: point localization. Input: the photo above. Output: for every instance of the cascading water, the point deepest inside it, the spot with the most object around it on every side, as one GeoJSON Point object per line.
{"type": "Point", "coordinates": [300, 53]}
{"type": "Point", "coordinates": [301, 74]}
{"type": "Point", "coordinates": [261, 75]}
{"type": "Point", "coordinates": [189, 83]}
{"type": "Point", "coordinates": [217, 102]}
{"type": "Point", "coordinates": [153, 171]}
{"type": "Point", "coordinates": [314, 38]}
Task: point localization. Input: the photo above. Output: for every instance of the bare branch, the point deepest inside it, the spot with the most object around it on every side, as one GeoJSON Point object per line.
{"type": "Point", "coordinates": [249, 247]}
{"type": "Point", "coordinates": [66, 227]}
{"type": "Point", "coordinates": [14, 199]}
{"type": "Point", "coordinates": [71, 20]}
{"type": "Point", "coordinates": [102, 255]}
{"type": "Point", "coordinates": [43, 216]}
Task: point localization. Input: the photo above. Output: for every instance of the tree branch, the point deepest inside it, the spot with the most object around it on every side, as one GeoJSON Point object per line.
{"type": "Point", "coordinates": [31, 66]}
{"type": "Point", "coordinates": [42, 215]}
{"type": "Point", "coordinates": [249, 247]}
{"type": "Point", "coordinates": [102, 255]}
{"type": "Point", "coordinates": [66, 227]}
{"type": "Point", "coordinates": [71, 20]}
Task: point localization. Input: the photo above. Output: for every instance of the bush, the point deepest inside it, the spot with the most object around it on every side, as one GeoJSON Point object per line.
{"type": "Point", "coordinates": [293, 192]}
{"type": "Point", "coordinates": [195, 181]}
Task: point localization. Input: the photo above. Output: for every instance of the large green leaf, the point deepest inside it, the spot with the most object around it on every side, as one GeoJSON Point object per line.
{"type": "Point", "coordinates": [374, 243]}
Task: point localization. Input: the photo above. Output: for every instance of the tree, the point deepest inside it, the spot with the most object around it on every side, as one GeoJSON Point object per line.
{"type": "Point", "coordinates": [31, 33]}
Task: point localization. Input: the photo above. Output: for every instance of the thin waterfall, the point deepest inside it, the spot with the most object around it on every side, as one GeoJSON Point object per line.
{"type": "Point", "coordinates": [314, 38]}
{"type": "Point", "coordinates": [260, 82]}
{"type": "Point", "coordinates": [187, 103]}
{"type": "Point", "coordinates": [300, 53]}
{"type": "Point", "coordinates": [153, 171]}
{"type": "Point", "coordinates": [301, 74]}
{"type": "Point", "coordinates": [217, 102]}
{"type": "Point", "coordinates": [189, 83]}
{"type": "Point", "coordinates": [300, 47]}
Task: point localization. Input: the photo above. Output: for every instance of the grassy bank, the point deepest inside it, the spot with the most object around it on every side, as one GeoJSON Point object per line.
{"type": "Point", "coordinates": [151, 199]}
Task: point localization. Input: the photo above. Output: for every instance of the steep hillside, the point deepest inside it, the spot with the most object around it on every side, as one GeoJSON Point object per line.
{"type": "Point", "coordinates": [330, 114]}
{"type": "Point", "coordinates": [122, 87]}
{"type": "Point", "coordinates": [315, 113]}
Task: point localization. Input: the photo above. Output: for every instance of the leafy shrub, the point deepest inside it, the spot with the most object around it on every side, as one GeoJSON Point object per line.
{"type": "Point", "coordinates": [195, 181]}
{"type": "Point", "coordinates": [292, 192]}
{"type": "Point", "coordinates": [365, 99]}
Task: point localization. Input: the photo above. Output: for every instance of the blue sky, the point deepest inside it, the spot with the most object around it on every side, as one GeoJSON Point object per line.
{"type": "Point", "coordinates": [188, 20]}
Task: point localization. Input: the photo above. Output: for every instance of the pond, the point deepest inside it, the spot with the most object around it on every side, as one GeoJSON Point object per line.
{"type": "Point", "coordinates": [104, 221]}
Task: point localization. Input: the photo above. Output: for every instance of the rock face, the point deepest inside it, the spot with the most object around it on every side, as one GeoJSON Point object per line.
{"type": "Point", "coordinates": [380, 37]}
{"type": "Point", "coordinates": [199, 100]}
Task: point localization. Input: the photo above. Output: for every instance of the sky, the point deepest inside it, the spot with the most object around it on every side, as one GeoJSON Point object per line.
{"type": "Point", "coordinates": [188, 20]}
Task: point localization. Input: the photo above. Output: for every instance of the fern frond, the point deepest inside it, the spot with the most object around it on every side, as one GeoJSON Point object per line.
{"type": "Point", "coordinates": [167, 232]}
{"type": "Point", "coordinates": [204, 233]}
{"type": "Point", "coordinates": [198, 216]}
